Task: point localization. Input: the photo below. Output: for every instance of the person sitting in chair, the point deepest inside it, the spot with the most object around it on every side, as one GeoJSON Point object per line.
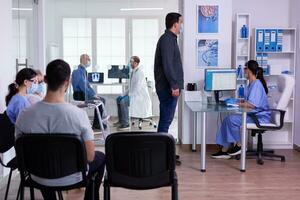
{"type": "Point", "coordinates": [137, 96]}
{"type": "Point", "coordinates": [83, 90]}
{"type": "Point", "coordinates": [54, 115]}
{"type": "Point", "coordinates": [256, 99]}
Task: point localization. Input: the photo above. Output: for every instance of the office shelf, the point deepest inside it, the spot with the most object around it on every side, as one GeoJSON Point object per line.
{"type": "Point", "coordinates": [284, 60]}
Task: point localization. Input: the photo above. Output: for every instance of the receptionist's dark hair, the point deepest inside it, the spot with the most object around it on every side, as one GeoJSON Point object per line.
{"type": "Point", "coordinates": [253, 66]}
{"type": "Point", "coordinates": [57, 72]}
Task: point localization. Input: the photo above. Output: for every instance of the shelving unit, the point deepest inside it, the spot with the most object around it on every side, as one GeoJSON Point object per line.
{"type": "Point", "coordinates": [276, 63]}
{"type": "Point", "coordinates": [242, 45]}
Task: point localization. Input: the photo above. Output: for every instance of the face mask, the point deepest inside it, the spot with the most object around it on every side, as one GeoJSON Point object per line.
{"type": "Point", "coordinates": [41, 88]}
{"type": "Point", "coordinates": [181, 28]}
{"type": "Point", "coordinates": [32, 89]}
{"type": "Point", "coordinates": [88, 64]}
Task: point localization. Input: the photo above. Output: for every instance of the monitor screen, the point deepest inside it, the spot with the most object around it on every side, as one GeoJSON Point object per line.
{"type": "Point", "coordinates": [95, 77]}
{"type": "Point", "coordinates": [220, 79]}
{"type": "Point", "coordinates": [119, 72]}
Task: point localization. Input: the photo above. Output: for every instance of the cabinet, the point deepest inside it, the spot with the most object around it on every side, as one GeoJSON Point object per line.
{"type": "Point", "coordinates": [275, 50]}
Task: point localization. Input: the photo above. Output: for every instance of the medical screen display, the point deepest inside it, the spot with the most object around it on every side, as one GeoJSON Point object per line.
{"type": "Point", "coordinates": [220, 79]}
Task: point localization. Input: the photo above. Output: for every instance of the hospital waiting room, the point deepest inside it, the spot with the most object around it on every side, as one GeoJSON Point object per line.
{"type": "Point", "coordinates": [150, 99]}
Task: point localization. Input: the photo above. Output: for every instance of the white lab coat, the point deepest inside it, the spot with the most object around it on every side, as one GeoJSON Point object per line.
{"type": "Point", "coordinates": [140, 102]}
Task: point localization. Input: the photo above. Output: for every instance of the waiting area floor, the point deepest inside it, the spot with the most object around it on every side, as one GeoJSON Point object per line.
{"type": "Point", "coordinates": [222, 181]}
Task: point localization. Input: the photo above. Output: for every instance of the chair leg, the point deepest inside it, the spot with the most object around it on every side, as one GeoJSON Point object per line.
{"type": "Point", "coordinates": [106, 190]}
{"type": "Point", "coordinates": [8, 183]}
{"type": "Point", "coordinates": [22, 191]}
{"type": "Point", "coordinates": [60, 196]}
{"type": "Point", "coordinates": [19, 190]}
{"type": "Point", "coordinates": [265, 150]}
{"type": "Point", "coordinates": [259, 159]}
{"type": "Point", "coordinates": [32, 193]}
{"type": "Point", "coordinates": [271, 155]}
{"type": "Point", "coordinates": [175, 190]}
{"type": "Point", "coordinates": [93, 187]}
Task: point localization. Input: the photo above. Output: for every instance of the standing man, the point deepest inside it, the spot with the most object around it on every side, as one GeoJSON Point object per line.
{"type": "Point", "coordinates": [168, 71]}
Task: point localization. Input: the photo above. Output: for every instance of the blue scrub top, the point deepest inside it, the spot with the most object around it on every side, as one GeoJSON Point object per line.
{"type": "Point", "coordinates": [80, 82]}
{"type": "Point", "coordinates": [15, 106]}
{"type": "Point", "coordinates": [257, 96]}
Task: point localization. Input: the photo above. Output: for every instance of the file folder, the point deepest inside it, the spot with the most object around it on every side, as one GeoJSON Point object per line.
{"type": "Point", "coordinates": [264, 59]}
{"type": "Point", "coordinates": [267, 38]}
{"type": "Point", "coordinates": [279, 40]}
{"type": "Point", "coordinates": [273, 39]}
{"type": "Point", "coordinates": [259, 59]}
{"type": "Point", "coordinates": [260, 40]}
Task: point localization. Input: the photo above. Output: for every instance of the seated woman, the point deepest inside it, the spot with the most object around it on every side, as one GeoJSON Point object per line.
{"type": "Point", "coordinates": [16, 100]}
{"type": "Point", "coordinates": [256, 99]}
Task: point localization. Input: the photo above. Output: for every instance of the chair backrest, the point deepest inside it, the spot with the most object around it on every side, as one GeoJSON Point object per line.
{"type": "Point", "coordinates": [285, 85]}
{"type": "Point", "coordinates": [140, 160]}
{"type": "Point", "coordinates": [7, 133]}
{"type": "Point", "coordinates": [51, 155]}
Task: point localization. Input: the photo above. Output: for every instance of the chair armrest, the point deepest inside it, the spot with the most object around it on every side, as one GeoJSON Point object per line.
{"type": "Point", "coordinates": [253, 116]}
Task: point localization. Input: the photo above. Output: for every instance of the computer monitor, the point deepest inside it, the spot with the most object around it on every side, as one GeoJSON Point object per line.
{"type": "Point", "coordinates": [95, 77]}
{"type": "Point", "coordinates": [219, 80]}
{"type": "Point", "coordinates": [119, 72]}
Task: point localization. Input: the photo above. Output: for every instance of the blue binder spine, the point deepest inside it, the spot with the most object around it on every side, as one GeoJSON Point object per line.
{"type": "Point", "coordinates": [267, 40]}
{"type": "Point", "coordinates": [273, 40]}
{"type": "Point", "coordinates": [260, 40]}
{"type": "Point", "coordinates": [279, 40]}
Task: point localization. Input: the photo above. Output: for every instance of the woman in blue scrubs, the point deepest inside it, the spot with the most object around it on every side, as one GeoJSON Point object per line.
{"type": "Point", "coordinates": [256, 99]}
{"type": "Point", "coordinates": [16, 101]}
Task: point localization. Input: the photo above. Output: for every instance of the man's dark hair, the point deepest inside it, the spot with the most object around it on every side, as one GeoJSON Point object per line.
{"type": "Point", "coordinates": [57, 72]}
{"type": "Point", "coordinates": [171, 19]}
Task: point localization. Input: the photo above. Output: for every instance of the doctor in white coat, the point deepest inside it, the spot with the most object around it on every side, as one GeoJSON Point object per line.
{"type": "Point", "coordinates": [137, 96]}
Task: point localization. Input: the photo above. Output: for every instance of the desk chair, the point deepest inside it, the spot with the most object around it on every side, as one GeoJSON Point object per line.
{"type": "Point", "coordinates": [7, 141]}
{"type": "Point", "coordinates": [140, 161]}
{"type": "Point", "coordinates": [51, 156]}
{"type": "Point", "coordinates": [285, 86]}
{"type": "Point", "coordinates": [149, 119]}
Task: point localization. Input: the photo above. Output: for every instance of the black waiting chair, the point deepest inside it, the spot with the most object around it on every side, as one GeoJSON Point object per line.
{"type": "Point", "coordinates": [7, 141]}
{"type": "Point", "coordinates": [140, 161]}
{"type": "Point", "coordinates": [51, 156]}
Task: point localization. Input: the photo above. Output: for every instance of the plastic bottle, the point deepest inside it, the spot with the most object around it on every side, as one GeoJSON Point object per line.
{"type": "Point", "coordinates": [244, 32]}
{"type": "Point", "coordinates": [238, 72]}
{"type": "Point", "coordinates": [241, 92]}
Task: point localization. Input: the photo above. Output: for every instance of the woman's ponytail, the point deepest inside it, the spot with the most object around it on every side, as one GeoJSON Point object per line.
{"type": "Point", "coordinates": [260, 76]}
{"type": "Point", "coordinates": [12, 90]}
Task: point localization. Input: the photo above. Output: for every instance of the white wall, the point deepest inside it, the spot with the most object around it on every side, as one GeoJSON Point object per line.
{"type": "Point", "coordinates": [7, 69]}
{"type": "Point", "coordinates": [264, 13]}
{"type": "Point", "coordinates": [191, 72]}
{"type": "Point", "coordinates": [295, 22]}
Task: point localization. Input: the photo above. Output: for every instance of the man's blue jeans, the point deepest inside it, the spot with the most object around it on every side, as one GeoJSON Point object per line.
{"type": "Point", "coordinates": [167, 107]}
{"type": "Point", "coordinates": [123, 112]}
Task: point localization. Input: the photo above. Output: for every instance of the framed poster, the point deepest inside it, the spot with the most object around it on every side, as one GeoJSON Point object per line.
{"type": "Point", "coordinates": [207, 52]}
{"type": "Point", "coordinates": [208, 19]}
